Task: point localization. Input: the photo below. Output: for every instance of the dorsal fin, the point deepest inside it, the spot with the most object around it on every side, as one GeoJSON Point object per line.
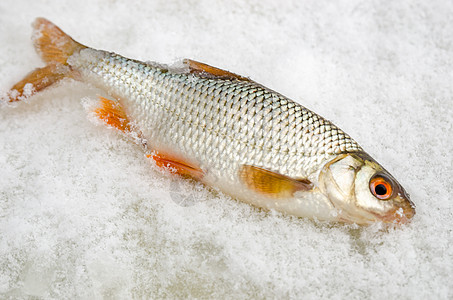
{"type": "Point", "coordinates": [272, 184]}
{"type": "Point", "coordinates": [203, 69]}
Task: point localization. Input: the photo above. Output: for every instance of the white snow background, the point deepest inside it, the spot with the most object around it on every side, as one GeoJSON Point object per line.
{"type": "Point", "coordinates": [84, 215]}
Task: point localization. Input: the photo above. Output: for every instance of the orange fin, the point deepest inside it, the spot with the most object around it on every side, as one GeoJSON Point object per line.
{"type": "Point", "coordinates": [52, 43]}
{"type": "Point", "coordinates": [272, 184]}
{"type": "Point", "coordinates": [202, 69]}
{"type": "Point", "coordinates": [176, 165]}
{"type": "Point", "coordinates": [55, 47]}
{"type": "Point", "coordinates": [36, 81]}
{"type": "Point", "coordinates": [112, 114]}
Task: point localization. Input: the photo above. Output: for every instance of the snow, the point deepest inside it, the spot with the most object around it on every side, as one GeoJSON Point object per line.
{"type": "Point", "coordinates": [84, 215]}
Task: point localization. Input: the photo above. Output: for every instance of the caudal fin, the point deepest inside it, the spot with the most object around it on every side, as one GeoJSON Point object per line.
{"type": "Point", "coordinates": [55, 47]}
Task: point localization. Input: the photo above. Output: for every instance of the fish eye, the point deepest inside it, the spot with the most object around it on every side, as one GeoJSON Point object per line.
{"type": "Point", "coordinates": [381, 188]}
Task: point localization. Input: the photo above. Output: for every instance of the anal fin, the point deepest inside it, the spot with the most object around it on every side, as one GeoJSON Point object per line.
{"type": "Point", "coordinates": [112, 114]}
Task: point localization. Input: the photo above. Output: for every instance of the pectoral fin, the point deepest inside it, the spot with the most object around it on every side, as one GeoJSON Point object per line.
{"type": "Point", "coordinates": [272, 184]}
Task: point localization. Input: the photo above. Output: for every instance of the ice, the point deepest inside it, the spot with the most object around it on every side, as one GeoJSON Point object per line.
{"type": "Point", "coordinates": [83, 214]}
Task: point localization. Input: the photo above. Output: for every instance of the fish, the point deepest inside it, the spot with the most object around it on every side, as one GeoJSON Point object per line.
{"type": "Point", "coordinates": [225, 131]}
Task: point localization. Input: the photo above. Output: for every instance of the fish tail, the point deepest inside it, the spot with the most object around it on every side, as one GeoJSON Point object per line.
{"type": "Point", "coordinates": [55, 47]}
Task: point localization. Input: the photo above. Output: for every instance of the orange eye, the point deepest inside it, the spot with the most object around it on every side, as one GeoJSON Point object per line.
{"type": "Point", "coordinates": [381, 188]}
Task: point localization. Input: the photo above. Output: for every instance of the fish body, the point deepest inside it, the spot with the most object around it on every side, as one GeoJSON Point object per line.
{"type": "Point", "coordinates": [221, 124]}
{"type": "Point", "coordinates": [231, 133]}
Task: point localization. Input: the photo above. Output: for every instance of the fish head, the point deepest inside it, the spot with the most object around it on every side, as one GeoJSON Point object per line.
{"type": "Point", "coordinates": [363, 192]}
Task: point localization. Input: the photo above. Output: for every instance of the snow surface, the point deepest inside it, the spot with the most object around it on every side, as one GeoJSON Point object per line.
{"type": "Point", "coordinates": [84, 215]}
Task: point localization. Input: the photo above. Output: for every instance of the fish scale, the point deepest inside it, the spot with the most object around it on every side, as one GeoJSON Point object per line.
{"type": "Point", "coordinates": [243, 117]}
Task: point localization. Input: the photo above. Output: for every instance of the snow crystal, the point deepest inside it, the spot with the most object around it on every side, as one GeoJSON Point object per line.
{"type": "Point", "coordinates": [85, 215]}
{"type": "Point", "coordinates": [28, 91]}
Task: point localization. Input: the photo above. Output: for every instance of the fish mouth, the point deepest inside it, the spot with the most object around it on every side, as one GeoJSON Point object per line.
{"type": "Point", "coordinates": [401, 214]}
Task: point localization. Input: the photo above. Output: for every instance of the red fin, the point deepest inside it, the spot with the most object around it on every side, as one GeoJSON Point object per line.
{"type": "Point", "coordinates": [272, 184]}
{"type": "Point", "coordinates": [176, 165]}
{"type": "Point", "coordinates": [52, 43]}
{"type": "Point", "coordinates": [210, 71]}
{"type": "Point", "coordinates": [36, 81]}
{"type": "Point", "coordinates": [55, 47]}
{"type": "Point", "coordinates": [112, 114]}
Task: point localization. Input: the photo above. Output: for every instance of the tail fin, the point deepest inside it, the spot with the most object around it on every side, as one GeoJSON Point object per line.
{"type": "Point", "coordinates": [55, 47]}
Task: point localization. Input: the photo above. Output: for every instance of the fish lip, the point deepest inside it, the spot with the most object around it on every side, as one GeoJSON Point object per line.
{"type": "Point", "coordinates": [401, 214]}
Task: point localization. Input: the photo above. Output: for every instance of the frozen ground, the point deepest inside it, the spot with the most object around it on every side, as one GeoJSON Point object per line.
{"type": "Point", "coordinates": [83, 215]}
